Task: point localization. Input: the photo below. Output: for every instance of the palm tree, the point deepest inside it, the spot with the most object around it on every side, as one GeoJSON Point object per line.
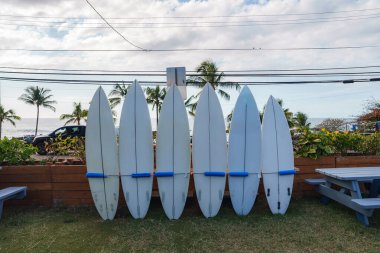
{"type": "Point", "coordinates": [229, 119]}
{"type": "Point", "coordinates": [208, 73]}
{"type": "Point", "coordinates": [300, 120]}
{"type": "Point", "coordinates": [118, 92]}
{"type": "Point", "coordinates": [7, 116]}
{"type": "Point", "coordinates": [37, 96]}
{"type": "Point", "coordinates": [76, 116]}
{"type": "Point", "coordinates": [191, 104]}
{"type": "Point", "coordinates": [155, 97]}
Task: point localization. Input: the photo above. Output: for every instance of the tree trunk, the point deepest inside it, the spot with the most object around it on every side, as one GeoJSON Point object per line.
{"type": "Point", "coordinates": [38, 115]}
{"type": "Point", "coordinates": [1, 126]}
{"type": "Point", "coordinates": [156, 117]}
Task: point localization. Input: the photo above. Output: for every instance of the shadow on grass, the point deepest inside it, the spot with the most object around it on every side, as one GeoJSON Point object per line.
{"type": "Point", "coordinates": [308, 226]}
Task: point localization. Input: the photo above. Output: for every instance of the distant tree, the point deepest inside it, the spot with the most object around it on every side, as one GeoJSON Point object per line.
{"type": "Point", "coordinates": [371, 111]}
{"type": "Point", "coordinates": [208, 72]}
{"type": "Point", "coordinates": [40, 97]}
{"type": "Point", "coordinates": [155, 97]}
{"type": "Point", "coordinates": [7, 116]}
{"type": "Point", "coordinates": [229, 119]}
{"type": "Point", "coordinates": [332, 124]}
{"type": "Point", "coordinates": [191, 104]}
{"type": "Point", "coordinates": [287, 112]}
{"type": "Point", "coordinates": [76, 116]}
{"type": "Point", "coordinates": [301, 120]}
{"type": "Point", "coordinates": [116, 95]}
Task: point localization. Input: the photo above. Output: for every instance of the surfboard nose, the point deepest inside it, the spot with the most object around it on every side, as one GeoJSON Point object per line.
{"type": "Point", "coordinates": [245, 89]}
{"type": "Point", "coordinates": [271, 99]}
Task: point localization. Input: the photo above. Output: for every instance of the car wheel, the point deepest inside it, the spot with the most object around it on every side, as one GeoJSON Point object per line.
{"type": "Point", "coordinates": [41, 148]}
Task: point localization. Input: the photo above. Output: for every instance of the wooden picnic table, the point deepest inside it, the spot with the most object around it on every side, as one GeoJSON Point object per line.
{"type": "Point", "coordinates": [349, 194]}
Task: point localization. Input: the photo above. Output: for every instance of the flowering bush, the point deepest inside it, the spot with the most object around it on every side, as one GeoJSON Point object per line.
{"type": "Point", "coordinates": [323, 143]}
{"type": "Point", "coordinates": [312, 144]}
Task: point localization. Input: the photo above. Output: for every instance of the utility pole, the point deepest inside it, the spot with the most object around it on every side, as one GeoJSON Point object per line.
{"type": "Point", "coordinates": [177, 76]}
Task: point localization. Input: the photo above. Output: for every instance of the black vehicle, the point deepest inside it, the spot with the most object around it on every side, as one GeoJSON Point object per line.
{"type": "Point", "coordinates": [64, 132]}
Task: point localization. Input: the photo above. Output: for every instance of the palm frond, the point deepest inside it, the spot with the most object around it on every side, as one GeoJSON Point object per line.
{"type": "Point", "coordinates": [224, 94]}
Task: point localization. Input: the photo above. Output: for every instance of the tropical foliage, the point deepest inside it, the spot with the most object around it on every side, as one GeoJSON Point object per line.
{"type": "Point", "coordinates": [7, 116]}
{"type": "Point", "coordinates": [155, 97]}
{"type": "Point", "coordinates": [76, 116]}
{"type": "Point", "coordinates": [208, 72]}
{"type": "Point", "coordinates": [40, 97]}
{"type": "Point", "coordinates": [73, 146]}
{"type": "Point", "coordinates": [324, 143]}
{"type": "Point", "coordinates": [15, 152]}
{"type": "Point", "coordinates": [191, 104]}
{"type": "Point", "coordinates": [301, 120]}
{"type": "Point", "coordinates": [117, 94]}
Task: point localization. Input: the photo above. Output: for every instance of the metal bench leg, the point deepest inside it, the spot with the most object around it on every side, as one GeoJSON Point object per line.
{"type": "Point", "coordinates": [1, 208]}
{"type": "Point", "coordinates": [375, 188]}
{"type": "Point", "coordinates": [357, 195]}
{"type": "Point", "coordinates": [325, 200]}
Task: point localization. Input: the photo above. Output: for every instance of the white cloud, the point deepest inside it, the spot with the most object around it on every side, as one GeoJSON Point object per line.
{"type": "Point", "coordinates": [355, 32]}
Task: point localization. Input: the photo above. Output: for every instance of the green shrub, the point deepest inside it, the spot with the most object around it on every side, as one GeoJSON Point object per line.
{"type": "Point", "coordinates": [312, 144]}
{"type": "Point", "coordinates": [344, 142]}
{"type": "Point", "coordinates": [370, 144]}
{"type": "Point", "coordinates": [73, 146]}
{"type": "Point", "coordinates": [324, 143]}
{"type": "Point", "coordinates": [16, 152]}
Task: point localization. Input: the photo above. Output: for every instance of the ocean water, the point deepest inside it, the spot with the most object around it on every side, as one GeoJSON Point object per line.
{"type": "Point", "coordinates": [27, 126]}
{"type": "Point", "coordinates": [46, 125]}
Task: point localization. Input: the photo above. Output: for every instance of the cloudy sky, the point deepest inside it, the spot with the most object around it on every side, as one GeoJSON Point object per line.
{"type": "Point", "coordinates": [172, 24]}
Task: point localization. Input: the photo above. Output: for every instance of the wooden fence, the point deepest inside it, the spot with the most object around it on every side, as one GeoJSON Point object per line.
{"type": "Point", "coordinates": [66, 185]}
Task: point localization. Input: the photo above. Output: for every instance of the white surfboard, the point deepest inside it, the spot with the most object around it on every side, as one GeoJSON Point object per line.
{"type": "Point", "coordinates": [244, 153]}
{"type": "Point", "coordinates": [277, 158]}
{"type": "Point", "coordinates": [136, 152]}
{"type": "Point", "coordinates": [101, 156]}
{"type": "Point", "coordinates": [173, 154]}
{"type": "Point", "coordinates": [209, 152]}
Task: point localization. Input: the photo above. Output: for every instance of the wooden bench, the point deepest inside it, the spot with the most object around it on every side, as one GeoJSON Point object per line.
{"type": "Point", "coordinates": [11, 193]}
{"type": "Point", "coordinates": [368, 203]}
{"type": "Point", "coordinates": [315, 181]}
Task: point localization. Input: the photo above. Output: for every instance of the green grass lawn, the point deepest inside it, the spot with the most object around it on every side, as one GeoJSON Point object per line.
{"type": "Point", "coordinates": [307, 227]}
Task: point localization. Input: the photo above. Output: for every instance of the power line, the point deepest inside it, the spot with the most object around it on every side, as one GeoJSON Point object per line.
{"type": "Point", "coordinates": [164, 71]}
{"type": "Point", "coordinates": [114, 29]}
{"type": "Point", "coordinates": [195, 17]}
{"type": "Point", "coordinates": [193, 49]}
{"type": "Point", "coordinates": [162, 74]}
{"type": "Point", "coordinates": [374, 15]}
{"type": "Point", "coordinates": [113, 82]}
{"type": "Point", "coordinates": [188, 25]}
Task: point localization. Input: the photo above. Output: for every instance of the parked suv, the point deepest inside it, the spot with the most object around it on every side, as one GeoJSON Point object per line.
{"type": "Point", "coordinates": [64, 132]}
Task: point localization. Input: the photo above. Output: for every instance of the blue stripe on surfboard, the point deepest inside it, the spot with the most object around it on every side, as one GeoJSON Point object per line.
{"type": "Point", "coordinates": [143, 174]}
{"type": "Point", "coordinates": [215, 173]}
{"type": "Point", "coordinates": [164, 174]}
{"type": "Point", "coordinates": [95, 175]}
{"type": "Point", "coordinates": [286, 172]}
{"type": "Point", "coordinates": [238, 174]}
